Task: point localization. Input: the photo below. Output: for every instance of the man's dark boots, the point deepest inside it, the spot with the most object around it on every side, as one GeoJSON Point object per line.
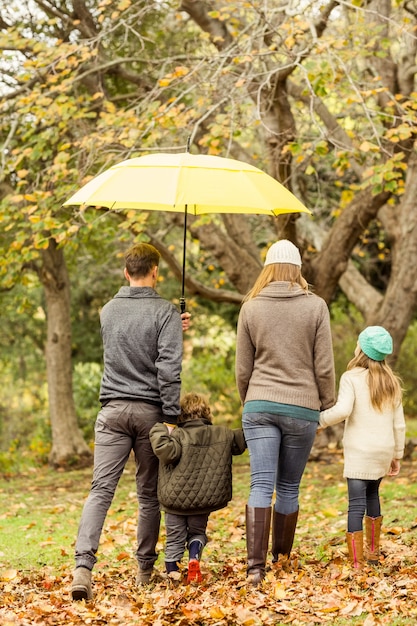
{"type": "Point", "coordinates": [81, 584]}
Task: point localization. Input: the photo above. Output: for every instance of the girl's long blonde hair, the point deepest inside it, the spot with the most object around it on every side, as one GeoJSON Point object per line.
{"type": "Point", "coordinates": [384, 386]}
{"type": "Point", "coordinates": [286, 272]}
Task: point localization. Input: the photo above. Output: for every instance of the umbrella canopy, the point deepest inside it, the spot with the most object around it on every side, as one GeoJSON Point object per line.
{"type": "Point", "coordinates": [187, 183]}
{"type": "Point", "coordinates": [197, 183]}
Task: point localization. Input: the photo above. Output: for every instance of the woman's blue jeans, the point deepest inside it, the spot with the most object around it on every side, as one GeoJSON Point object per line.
{"type": "Point", "coordinates": [279, 448]}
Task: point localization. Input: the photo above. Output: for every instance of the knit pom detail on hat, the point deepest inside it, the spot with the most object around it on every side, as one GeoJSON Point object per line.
{"type": "Point", "coordinates": [283, 251]}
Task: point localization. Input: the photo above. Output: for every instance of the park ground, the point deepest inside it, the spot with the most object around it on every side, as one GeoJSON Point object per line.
{"type": "Point", "coordinates": [39, 515]}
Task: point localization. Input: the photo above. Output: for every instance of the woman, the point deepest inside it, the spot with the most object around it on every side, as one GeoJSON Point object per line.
{"type": "Point", "coordinates": [285, 376]}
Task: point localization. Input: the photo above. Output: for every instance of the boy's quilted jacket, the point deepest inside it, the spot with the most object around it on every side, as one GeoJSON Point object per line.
{"type": "Point", "coordinates": [195, 465]}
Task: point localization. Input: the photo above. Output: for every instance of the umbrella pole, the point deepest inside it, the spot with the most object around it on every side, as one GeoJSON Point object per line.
{"type": "Point", "coordinates": [182, 299]}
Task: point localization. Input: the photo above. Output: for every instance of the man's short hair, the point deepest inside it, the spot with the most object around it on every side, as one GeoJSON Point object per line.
{"type": "Point", "coordinates": [140, 259]}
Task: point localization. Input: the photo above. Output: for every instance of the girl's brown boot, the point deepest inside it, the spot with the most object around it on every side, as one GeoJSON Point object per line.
{"type": "Point", "coordinates": [355, 548]}
{"type": "Point", "coordinates": [372, 537]}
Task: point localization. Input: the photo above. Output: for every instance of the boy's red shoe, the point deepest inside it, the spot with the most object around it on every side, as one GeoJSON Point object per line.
{"type": "Point", "coordinates": [194, 573]}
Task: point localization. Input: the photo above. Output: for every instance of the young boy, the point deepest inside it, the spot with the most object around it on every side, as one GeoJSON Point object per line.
{"type": "Point", "coordinates": [195, 478]}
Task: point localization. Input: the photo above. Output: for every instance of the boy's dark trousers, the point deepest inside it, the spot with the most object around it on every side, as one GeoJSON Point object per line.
{"type": "Point", "coordinates": [181, 531]}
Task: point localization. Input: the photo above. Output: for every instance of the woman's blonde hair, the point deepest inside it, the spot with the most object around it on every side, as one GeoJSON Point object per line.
{"type": "Point", "coordinates": [194, 406]}
{"type": "Point", "coordinates": [286, 272]}
{"type": "Point", "coordinates": [384, 386]}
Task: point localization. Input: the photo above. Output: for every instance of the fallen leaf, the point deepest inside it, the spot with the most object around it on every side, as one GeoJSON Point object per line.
{"type": "Point", "coordinates": [8, 575]}
{"type": "Point", "coordinates": [279, 591]}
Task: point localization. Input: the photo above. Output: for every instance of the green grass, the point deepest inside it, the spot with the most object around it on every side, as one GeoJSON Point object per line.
{"type": "Point", "coordinates": [411, 428]}
{"type": "Point", "coordinates": [41, 511]}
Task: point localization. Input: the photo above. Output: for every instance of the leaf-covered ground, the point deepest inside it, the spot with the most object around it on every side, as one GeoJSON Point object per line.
{"type": "Point", "coordinates": [319, 588]}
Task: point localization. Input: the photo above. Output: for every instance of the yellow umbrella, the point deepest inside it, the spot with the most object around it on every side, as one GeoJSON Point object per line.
{"type": "Point", "coordinates": [187, 183]}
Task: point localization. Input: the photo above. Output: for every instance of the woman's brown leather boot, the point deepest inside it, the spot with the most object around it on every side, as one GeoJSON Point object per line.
{"type": "Point", "coordinates": [283, 531]}
{"type": "Point", "coordinates": [258, 524]}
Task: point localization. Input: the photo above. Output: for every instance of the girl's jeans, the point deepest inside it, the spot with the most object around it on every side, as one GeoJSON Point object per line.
{"type": "Point", "coordinates": [363, 496]}
{"type": "Point", "coordinates": [279, 448]}
{"type": "Point", "coordinates": [181, 531]}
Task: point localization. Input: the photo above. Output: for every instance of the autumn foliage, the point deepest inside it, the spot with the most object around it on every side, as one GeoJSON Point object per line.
{"type": "Point", "coordinates": [318, 587]}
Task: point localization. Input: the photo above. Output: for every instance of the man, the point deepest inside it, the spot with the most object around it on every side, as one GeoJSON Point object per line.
{"type": "Point", "coordinates": [142, 342]}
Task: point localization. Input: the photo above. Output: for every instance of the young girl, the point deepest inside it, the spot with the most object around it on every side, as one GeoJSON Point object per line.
{"type": "Point", "coordinates": [370, 403]}
{"type": "Point", "coordinates": [195, 478]}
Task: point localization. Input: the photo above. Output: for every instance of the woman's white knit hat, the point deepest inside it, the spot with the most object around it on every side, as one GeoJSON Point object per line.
{"type": "Point", "coordinates": [283, 251]}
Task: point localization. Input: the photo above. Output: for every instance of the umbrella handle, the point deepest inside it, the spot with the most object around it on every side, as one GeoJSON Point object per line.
{"type": "Point", "coordinates": [182, 299]}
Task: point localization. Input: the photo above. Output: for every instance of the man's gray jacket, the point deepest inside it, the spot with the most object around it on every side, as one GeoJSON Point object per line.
{"type": "Point", "coordinates": [142, 340]}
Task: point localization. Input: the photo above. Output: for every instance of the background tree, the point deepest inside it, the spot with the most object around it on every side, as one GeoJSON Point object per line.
{"type": "Point", "coordinates": [320, 94]}
{"type": "Point", "coordinates": [334, 89]}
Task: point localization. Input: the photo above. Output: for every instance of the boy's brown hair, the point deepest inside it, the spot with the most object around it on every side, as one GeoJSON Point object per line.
{"type": "Point", "coordinates": [194, 406]}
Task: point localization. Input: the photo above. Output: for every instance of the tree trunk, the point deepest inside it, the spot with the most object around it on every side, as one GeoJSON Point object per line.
{"type": "Point", "coordinates": [68, 445]}
{"type": "Point", "coordinates": [400, 300]}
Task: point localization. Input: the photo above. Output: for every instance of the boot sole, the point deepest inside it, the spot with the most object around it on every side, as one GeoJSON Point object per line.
{"type": "Point", "coordinates": [80, 593]}
{"type": "Point", "coordinates": [255, 578]}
